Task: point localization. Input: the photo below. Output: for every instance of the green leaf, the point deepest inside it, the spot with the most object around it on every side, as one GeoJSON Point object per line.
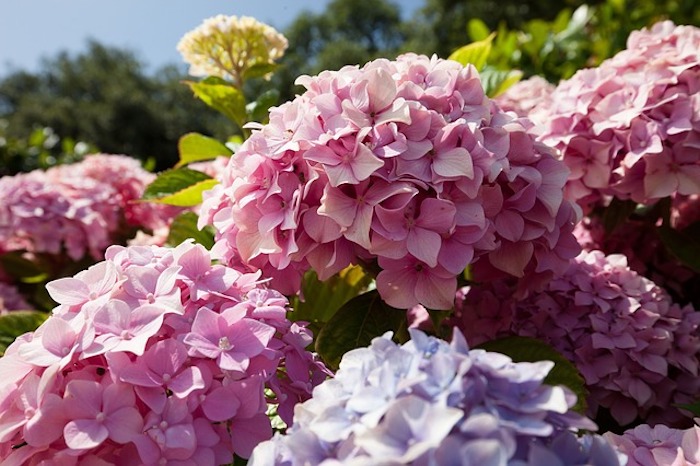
{"type": "Point", "coordinates": [475, 53]}
{"type": "Point", "coordinates": [260, 108]}
{"type": "Point", "coordinates": [693, 408]}
{"type": "Point", "coordinates": [195, 147]}
{"type": "Point", "coordinates": [22, 269]}
{"type": "Point", "coordinates": [525, 349]}
{"type": "Point", "coordinates": [323, 298]}
{"type": "Point", "coordinates": [616, 213]}
{"type": "Point", "coordinates": [18, 323]}
{"type": "Point", "coordinates": [684, 246]}
{"type": "Point", "coordinates": [496, 82]}
{"type": "Point", "coordinates": [185, 226]}
{"type": "Point", "coordinates": [259, 69]}
{"type": "Point", "coordinates": [477, 29]}
{"type": "Point", "coordinates": [180, 187]}
{"type": "Point", "coordinates": [356, 323]}
{"type": "Point", "coordinates": [221, 96]}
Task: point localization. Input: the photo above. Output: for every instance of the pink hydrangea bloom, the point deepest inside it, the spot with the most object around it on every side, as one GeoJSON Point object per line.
{"type": "Point", "coordinates": [637, 351]}
{"type": "Point", "coordinates": [153, 356]}
{"type": "Point", "coordinates": [78, 209]}
{"type": "Point", "coordinates": [638, 240]}
{"type": "Point", "coordinates": [658, 445]}
{"type": "Point", "coordinates": [525, 96]}
{"type": "Point", "coordinates": [403, 164]}
{"type": "Point", "coordinates": [629, 128]}
{"type": "Point", "coordinates": [11, 299]}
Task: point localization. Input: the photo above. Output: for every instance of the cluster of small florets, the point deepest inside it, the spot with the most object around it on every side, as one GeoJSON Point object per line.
{"type": "Point", "coordinates": [433, 402]}
{"type": "Point", "coordinates": [638, 240]}
{"type": "Point", "coordinates": [227, 46]}
{"type": "Point", "coordinates": [79, 208]}
{"type": "Point", "coordinates": [11, 299]}
{"type": "Point", "coordinates": [629, 128]}
{"type": "Point", "coordinates": [153, 356]}
{"type": "Point", "coordinates": [525, 96]}
{"type": "Point", "coordinates": [658, 445]}
{"type": "Point", "coordinates": [637, 351]}
{"type": "Point", "coordinates": [406, 163]}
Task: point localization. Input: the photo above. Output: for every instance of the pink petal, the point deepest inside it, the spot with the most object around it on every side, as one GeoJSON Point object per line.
{"type": "Point", "coordinates": [435, 292]}
{"type": "Point", "coordinates": [70, 291]}
{"type": "Point", "coordinates": [124, 424]}
{"type": "Point", "coordinates": [424, 245]}
{"type": "Point", "coordinates": [246, 434]}
{"type": "Point", "coordinates": [83, 434]}
{"type": "Point", "coordinates": [364, 163]}
{"type": "Point", "coordinates": [219, 405]}
{"type": "Point", "coordinates": [454, 163]}
{"type": "Point", "coordinates": [512, 257]}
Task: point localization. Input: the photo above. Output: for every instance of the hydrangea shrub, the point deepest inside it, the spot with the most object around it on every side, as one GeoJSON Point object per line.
{"type": "Point", "coordinates": [629, 127]}
{"type": "Point", "coordinates": [430, 402]}
{"type": "Point", "coordinates": [153, 356]}
{"type": "Point", "coordinates": [404, 165]}
{"type": "Point", "coordinates": [79, 209]}
{"type": "Point", "coordinates": [637, 351]}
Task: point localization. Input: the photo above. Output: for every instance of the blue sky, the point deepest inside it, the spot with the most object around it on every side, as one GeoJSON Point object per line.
{"type": "Point", "coordinates": [32, 29]}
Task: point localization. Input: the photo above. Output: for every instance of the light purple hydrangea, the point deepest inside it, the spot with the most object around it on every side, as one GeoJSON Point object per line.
{"type": "Point", "coordinates": [659, 445]}
{"type": "Point", "coordinates": [153, 356]}
{"type": "Point", "coordinates": [78, 209]}
{"type": "Point", "coordinates": [430, 402]}
{"type": "Point", "coordinates": [637, 351]}
{"type": "Point", "coordinates": [405, 165]}
{"type": "Point", "coordinates": [11, 299]}
{"type": "Point", "coordinates": [630, 127]}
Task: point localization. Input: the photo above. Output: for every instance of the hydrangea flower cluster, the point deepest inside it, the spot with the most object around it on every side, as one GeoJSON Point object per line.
{"type": "Point", "coordinates": [629, 128]}
{"type": "Point", "coordinates": [430, 402]}
{"type": "Point", "coordinates": [406, 163]}
{"type": "Point", "coordinates": [525, 96]}
{"type": "Point", "coordinates": [658, 445]}
{"type": "Point", "coordinates": [153, 356]}
{"type": "Point", "coordinates": [637, 351]}
{"type": "Point", "coordinates": [228, 46]}
{"type": "Point", "coordinates": [639, 241]}
{"type": "Point", "coordinates": [11, 299]}
{"type": "Point", "coordinates": [79, 208]}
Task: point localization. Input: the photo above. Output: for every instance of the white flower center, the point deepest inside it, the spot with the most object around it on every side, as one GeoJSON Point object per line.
{"type": "Point", "coordinates": [224, 344]}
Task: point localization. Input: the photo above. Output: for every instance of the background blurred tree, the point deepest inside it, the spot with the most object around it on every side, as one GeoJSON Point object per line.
{"type": "Point", "coordinates": [103, 96]}
{"type": "Point", "coordinates": [346, 33]}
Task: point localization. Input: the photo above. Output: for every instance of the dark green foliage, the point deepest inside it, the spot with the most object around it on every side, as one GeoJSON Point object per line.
{"type": "Point", "coordinates": [104, 97]}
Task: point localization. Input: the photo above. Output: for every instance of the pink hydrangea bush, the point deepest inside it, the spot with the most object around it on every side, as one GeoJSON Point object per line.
{"type": "Point", "coordinates": [78, 209]}
{"type": "Point", "coordinates": [638, 352]}
{"type": "Point", "coordinates": [524, 97]}
{"type": "Point", "coordinates": [638, 240]}
{"type": "Point", "coordinates": [630, 127]}
{"type": "Point", "coordinates": [403, 165]}
{"type": "Point", "coordinates": [659, 445]}
{"type": "Point", "coordinates": [153, 356]}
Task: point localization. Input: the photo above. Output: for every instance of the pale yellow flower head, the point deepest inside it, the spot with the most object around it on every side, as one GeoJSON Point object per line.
{"type": "Point", "coordinates": [227, 46]}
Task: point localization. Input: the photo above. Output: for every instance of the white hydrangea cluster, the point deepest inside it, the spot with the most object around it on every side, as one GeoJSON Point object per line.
{"type": "Point", "coordinates": [228, 46]}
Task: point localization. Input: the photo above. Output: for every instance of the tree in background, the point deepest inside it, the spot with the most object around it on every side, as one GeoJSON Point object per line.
{"type": "Point", "coordinates": [104, 97]}
{"type": "Point", "coordinates": [346, 33]}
